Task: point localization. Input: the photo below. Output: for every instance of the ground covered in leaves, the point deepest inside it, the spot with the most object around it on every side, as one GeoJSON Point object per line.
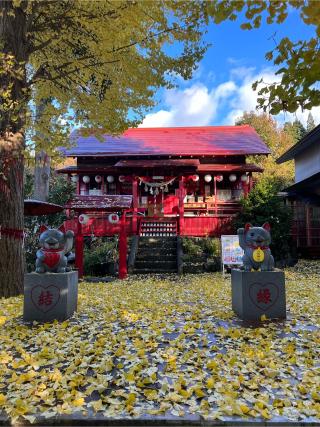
{"type": "Point", "coordinates": [164, 347]}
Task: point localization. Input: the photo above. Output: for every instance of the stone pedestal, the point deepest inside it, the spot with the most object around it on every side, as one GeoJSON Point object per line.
{"type": "Point", "coordinates": [50, 296]}
{"type": "Point", "coordinates": [258, 292]}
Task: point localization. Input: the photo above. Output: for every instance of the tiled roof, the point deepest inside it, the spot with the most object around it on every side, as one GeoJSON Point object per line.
{"type": "Point", "coordinates": [184, 141]}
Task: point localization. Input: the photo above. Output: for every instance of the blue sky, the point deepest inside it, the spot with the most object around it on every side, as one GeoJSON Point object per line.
{"type": "Point", "coordinates": [220, 90]}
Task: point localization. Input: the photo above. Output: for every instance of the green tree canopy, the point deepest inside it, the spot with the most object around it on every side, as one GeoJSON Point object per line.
{"type": "Point", "coordinates": [264, 205]}
{"type": "Point", "coordinates": [310, 123]}
{"type": "Point", "coordinates": [277, 139]}
{"type": "Point", "coordinates": [297, 61]}
{"type": "Point", "coordinates": [295, 129]}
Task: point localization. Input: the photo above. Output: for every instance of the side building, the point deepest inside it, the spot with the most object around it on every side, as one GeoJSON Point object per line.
{"type": "Point", "coordinates": [304, 195]}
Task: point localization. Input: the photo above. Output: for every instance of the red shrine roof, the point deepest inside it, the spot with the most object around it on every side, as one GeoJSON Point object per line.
{"type": "Point", "coordinates": [193, 163]}
{"type": "Point", "coordinates": [185, 141]}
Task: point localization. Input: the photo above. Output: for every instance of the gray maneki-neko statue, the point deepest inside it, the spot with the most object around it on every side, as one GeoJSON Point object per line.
{"type": "Point", "coordinates": [55, 245]}
{"type": "Point", "coordinates": [255, 242]}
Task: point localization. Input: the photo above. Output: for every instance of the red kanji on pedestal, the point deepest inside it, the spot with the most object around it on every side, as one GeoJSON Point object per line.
{"type": "Point", "coordinates": [45, 298]}
{"type": "Point", "coordinates": [264, 296]}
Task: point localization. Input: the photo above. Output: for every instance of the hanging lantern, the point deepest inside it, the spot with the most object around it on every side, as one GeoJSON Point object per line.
{"type": "Point", "coordinates": [219, 178]}
{"type": "Point", "coordinates": [74, 178]}
{"type": "Point", "coordinates": [166, 189]}
{"type": "Point", "coordinates": [244, 178]}
{"type": "Point", "coordinates": [146, 188]}
{"type": "Point", "coordinates": [232, 177]}
{"type": "Point", "coordinates": [195, 178]}
{"type": "Point", "coordinates": [110, 179]}
{"type": "Point", "coordinates": [122, 178]}
{"type": "Point", "coordinates": [83, 219]}
{"type": "Point", "coordinates": [86, 179]}
{"type": "Point", "coordinates": [98, 179]}
{"type": "Point", "coordinates": [113, 218]}
{"type": "Point", "coordinates": [208, 178]}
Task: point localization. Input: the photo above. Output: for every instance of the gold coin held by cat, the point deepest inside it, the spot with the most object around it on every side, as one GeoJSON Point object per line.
{"type": "Point", "coordinates": [258, 255]}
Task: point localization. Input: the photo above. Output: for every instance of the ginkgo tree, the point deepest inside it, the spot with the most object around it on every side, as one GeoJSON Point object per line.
{"type": "Point", "coordinates": [97, 63]}
{"type": "Point", "coordinates": [296, 60]}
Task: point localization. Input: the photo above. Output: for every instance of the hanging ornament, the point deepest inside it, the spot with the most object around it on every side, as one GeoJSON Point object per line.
{"type": "Point", "coordinates": [74, 178]}
{"type": "Point", "coordinates": [244, 178]}
{"type": "Point", "coordinates": [208, 178]}
{"type": "Point", "coordinates": [151, 190]}
{"type": "Point", "coordinates": [232, 177]}
{"type": "Point", "coordinates": [166, 189]}
{"type": "Point", "coordinates": [122, 178]}
{"type": "Point", "coordinates": [113, 218]}
{"type": "Point", "coordinates": [145, 188]}
{"type": "Point", "coordinates": [98, 179]}
{"type": "Point", "coordinates": [219, 178]}
{"type": "Point", "coordinates": [110, 179]}
{"type": "Point", "coordinates": [156, 192]}
{"type": "Point", "coordinates": [83, 219]}
{"type": "Point", "coordinates": [86, 179]}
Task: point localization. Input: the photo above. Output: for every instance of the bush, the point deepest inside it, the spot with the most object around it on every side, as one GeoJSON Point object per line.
{"type": "Point", "coordinates": [264, 205]}
{"type": "Point", "coordinates": [191, 246]}
{"type": "Point", "coordinates": [99, 254]}
{"type": "Point", "coordinates": [211, 246]}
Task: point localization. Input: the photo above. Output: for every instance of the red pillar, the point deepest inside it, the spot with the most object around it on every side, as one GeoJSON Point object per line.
{"type": "Point", "coordinates": [135, 204]}
{"type": "Point", "coordinates": [123, 248]}
{"type": "Point", "coordinates": [79, 245]}
{"type": "Point", "coordinates": [182, 193]}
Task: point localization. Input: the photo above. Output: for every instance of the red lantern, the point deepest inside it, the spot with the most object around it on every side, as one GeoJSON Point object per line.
{"type": "Point", "coordinates": [219, 178]}
{"type": "Point", "coordinates": [83, 219]}
{"type": "Point", "coordinates": [113, 218]}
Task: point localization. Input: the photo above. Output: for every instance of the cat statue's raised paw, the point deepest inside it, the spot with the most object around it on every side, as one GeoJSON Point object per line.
{"type": "Point", "coordinates": [255, 242]}
{"type": "Point", "coordinates": [55, 244]}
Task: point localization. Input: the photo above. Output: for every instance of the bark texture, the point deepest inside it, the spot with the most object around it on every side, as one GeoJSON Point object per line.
{"type": "Point", "coordinates": [41, 176]}
{"type": "Point", "coordinates": [11, 215]}
{"type": "Point", "coordinates": [13, 101]}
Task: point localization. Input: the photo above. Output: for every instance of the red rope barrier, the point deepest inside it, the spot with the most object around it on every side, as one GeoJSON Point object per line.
{"type": "Point", "coordinates": [12, 232]}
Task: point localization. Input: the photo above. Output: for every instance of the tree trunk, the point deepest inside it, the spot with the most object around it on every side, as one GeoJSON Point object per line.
{"type": "Point", "coordinates": [11, 216]}
{"type": "Point", "coordinates": [14, 97]}
{"type": "Point", "coordinates": [41, 176]}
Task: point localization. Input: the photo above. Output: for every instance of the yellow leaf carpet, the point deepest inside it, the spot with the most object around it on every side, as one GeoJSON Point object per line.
{"type": "Point", "coordinates": [164, 347]}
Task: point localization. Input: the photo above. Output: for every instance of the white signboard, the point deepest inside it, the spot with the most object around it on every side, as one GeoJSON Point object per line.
{"type": "Point", "coordinates": [231, 252]}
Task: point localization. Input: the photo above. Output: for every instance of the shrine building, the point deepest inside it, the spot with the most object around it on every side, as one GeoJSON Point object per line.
{"type": "Point", "coordinates": [160, 182]}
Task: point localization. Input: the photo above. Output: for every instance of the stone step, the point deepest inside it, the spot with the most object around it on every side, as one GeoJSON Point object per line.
{"type": "Point", "coordinates": [156, 256]}
{"type": "Point", "coordinates": [159, 242]}
{"type": "Point", "coordinates": [155, 265]}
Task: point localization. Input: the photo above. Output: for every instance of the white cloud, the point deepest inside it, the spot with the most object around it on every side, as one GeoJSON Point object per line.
{"type": "Point", "coordinates": [197, 105]}
{"type": "Point", "coordinates": [194, 106]}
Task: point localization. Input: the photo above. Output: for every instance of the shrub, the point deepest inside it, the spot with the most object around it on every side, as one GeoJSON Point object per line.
{"type": "Point", "coordinates": [264, 205]}
{"type": "Point", "coordinates": [211, 246]}
{"type": "Point", "coordinates": [191, 247]}
{"type": "Point", "coordinates": [98, 253]}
